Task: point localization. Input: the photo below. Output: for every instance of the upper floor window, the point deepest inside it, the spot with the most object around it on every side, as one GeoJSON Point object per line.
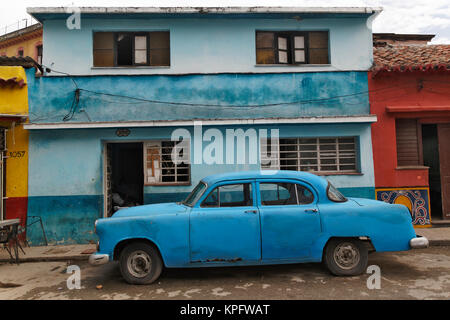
{"type": "Point", "coordinates": [20, 52]}
{"type": "Point", "coordinates": [39, 53]}
{"type": "Point", "coordinates": [127, 49]}
{"type": "Point", "coordinates": [292, 47]}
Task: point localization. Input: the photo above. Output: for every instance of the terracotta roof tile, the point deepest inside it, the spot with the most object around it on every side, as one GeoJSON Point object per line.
{"type": "Point", "coordinates": [25, 62]}
{"type": "Point", "coordinates": [410, 58]}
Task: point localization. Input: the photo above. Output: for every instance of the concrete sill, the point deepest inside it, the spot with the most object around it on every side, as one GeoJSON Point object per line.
{"type": "Point", "coordinates": [338, 173]}
{"type": "Point", "coordinates": [167, 184]}
{"type": "Point", "coordinates": [294, 65]}
{"type": "Point", "coordinates": [412, 168]}
{"type": "Point", "coordinates": [130, 67]}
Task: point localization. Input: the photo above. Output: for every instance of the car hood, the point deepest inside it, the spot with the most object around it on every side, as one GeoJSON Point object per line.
{"type": "Point", "coordinates": [151, 210]}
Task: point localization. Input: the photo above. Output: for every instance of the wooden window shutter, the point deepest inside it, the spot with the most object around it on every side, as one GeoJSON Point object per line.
{"type": "Point", "coordinates": [103, 49]}
{"type": "Point", "coordinates": [160, 48]}
{"type": "Point", "coordinates": [318, 47]}
{"type": "Point", "coordinates": [408, 142]}
{"type": "Point", "coordinates": [265, 48]}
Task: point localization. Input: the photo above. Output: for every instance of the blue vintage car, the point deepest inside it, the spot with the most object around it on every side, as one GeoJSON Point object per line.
{"type": "Point", "coordinates": [254, 218]}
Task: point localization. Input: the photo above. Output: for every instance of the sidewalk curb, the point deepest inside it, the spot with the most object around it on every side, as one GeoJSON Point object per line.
{"type": "Point", "coordinates": [437, 243]}
{"type": "Point", "coordinates": [49, 259]}
{"type": "Point", "coordinates": [85, 257]}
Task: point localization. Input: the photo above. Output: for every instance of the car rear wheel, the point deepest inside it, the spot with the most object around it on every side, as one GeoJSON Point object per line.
{"type": "Point", "coordinates": [140, 263]}
{"type": "Point", "coordinates": [346, 257]}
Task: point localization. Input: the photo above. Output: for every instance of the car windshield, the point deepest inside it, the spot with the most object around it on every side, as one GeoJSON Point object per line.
{"type": "Point", "coordinates": [334, 194]}
{"type": "Point", "coordinates": [194, 195]}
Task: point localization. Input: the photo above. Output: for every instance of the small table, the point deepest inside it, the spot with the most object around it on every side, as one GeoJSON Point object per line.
{"type": "Point", "coordinates": [9, 230]}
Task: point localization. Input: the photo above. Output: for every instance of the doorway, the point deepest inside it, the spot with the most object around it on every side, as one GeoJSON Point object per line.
{"type": "Point", "coordinates": [444, 162]}
{"type": "Point", "coordinates": [431, 160]}
{"type": "Point", "coordinates": [124, 176]}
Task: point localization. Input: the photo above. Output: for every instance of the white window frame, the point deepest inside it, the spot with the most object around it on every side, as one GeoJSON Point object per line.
{"type": "Point", "coordinates": [153, 175]}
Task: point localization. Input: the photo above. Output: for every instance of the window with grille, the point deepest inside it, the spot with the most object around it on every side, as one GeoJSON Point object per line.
{"type": "Point", "coordinates": [160, 165]}
{"type": "Point", "coordinates": [322, 155]}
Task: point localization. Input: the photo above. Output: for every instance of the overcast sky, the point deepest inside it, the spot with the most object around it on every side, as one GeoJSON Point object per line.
{"type": "Point", "coordinates": [399, 16]}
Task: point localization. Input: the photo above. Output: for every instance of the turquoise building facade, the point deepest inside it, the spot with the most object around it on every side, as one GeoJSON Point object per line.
{"type": "Point", "coordinates": [92, 127]}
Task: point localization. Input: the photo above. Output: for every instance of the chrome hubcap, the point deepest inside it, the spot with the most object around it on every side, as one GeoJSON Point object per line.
{"type": "Point", "coordinates": [346, 255]}
{"type": "Point", "coordinates": [139, 264]}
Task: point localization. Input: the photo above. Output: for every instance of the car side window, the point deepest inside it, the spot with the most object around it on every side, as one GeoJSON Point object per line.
{"type": "Point", "coordinates": [230, 195]}
{"type": "Point", "coordinates": [277, 193]}
{"type": "Point", "coordinates": [305, 196]}
{"type": "Point", "coordinates": [212, 200]}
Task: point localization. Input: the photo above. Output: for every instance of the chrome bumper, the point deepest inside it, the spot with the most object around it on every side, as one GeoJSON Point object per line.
{"type": "Point", "coordinates": [97, 259]}
{"type": "Point", "coordinates": [419, 243]}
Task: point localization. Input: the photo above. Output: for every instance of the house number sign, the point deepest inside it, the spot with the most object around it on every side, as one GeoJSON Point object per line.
{"type": "Point", "coordinates": [122, 132]}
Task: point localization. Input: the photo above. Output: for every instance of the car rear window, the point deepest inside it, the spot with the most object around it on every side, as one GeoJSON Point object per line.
{"type": "Point", "coordinates": [334, 194]}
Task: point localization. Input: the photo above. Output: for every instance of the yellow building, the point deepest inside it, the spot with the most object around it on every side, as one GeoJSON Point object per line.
{"type": "Point", "coordinates": [13, 137]}
{"type": "Point", "coordinates": [22, 43]}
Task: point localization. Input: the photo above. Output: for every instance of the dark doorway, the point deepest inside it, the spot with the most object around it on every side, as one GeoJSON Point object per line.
{"type": "Point", "coordinates": [431, 159]}
{"type": "Point", "coordinates": [444, 160]}
{"type": "Point", "coordinates": [126, 175]}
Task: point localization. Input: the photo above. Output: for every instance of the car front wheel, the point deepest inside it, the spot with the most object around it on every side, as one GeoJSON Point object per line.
{"type": "Point", "coordinates": [140, 263]}
{"type": "Point", "coordinates": [346, 257]}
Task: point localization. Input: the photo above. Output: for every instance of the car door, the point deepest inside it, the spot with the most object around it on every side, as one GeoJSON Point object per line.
{"type": "Point", "coordinates": [225, 226]}
{"type": "Point", "coordinates": [290, 220]}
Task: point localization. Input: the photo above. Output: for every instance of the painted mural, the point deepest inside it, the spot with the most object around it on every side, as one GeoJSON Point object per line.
{"type": "Point", "coordinates": [417, 200]}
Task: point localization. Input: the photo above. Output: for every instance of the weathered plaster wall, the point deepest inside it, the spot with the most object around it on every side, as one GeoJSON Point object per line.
{"type": "Point", "coordinates": [207, 45]}
{"type": "Point", "coordinates": [410, 90]}
{"type": "Point", "coordinates": [52, 97]}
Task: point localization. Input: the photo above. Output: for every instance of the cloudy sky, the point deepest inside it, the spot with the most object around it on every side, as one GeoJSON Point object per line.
{"type": "Point", "coordinates": [399, 16]}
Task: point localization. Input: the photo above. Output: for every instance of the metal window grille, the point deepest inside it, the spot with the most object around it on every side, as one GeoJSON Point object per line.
{"type": "Point", "coordinates": [160, 167]}
{"type": "Point", "coordinates": [327, 154]}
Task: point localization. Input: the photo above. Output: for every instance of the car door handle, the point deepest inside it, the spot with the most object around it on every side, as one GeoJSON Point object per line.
{"type": "Point", "coordinates": [311, 210]}
{"type": "Point", "coordinates": [251, 211]}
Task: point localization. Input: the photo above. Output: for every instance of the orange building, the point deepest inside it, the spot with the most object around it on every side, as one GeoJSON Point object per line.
{"type": "Point", "coordinates": [23, 42]}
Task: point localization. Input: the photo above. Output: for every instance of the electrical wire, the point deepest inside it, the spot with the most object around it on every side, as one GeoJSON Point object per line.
{"type": "Point", "coordinates": [244, 106]}
{"type": "Point", "coordinates": [73, 108]}
{"type": "Point", "coordinates": [78, 90]}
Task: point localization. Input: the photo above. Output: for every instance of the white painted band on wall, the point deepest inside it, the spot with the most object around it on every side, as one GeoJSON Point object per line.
{"type": "Point", "coordinates": [205, 122]}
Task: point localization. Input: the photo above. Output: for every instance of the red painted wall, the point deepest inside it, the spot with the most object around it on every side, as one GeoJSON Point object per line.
{"type": "Point", "coordinates": [16, 208]}
{"type": "Point", "coordinates": [403, 89]}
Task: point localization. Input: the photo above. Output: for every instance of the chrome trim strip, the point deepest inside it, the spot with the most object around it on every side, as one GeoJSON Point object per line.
{"type": "Point", "coordinates": [97, 259]}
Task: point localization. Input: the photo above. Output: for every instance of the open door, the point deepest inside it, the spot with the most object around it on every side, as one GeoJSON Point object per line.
{"type": "Point", "coordinates": [124, 176]}
{"type": "Point", "coordinates": [444, 160]}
